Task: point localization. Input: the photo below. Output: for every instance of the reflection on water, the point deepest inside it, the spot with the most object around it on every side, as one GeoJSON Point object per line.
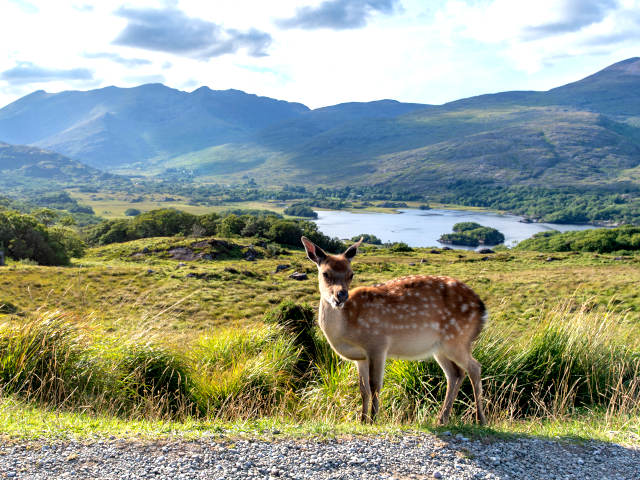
{"type": "Point", "coordinates": [420, 228]}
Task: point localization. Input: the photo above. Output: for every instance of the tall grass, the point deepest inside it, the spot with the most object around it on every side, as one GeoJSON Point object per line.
{"type": "Point", "coordinates": [571, 359]}
{"type": "Point", "coordinates": [44, 359]}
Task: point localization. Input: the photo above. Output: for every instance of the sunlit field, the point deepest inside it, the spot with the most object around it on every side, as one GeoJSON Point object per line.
{"type": "Point", "coordinates": [138, 334]}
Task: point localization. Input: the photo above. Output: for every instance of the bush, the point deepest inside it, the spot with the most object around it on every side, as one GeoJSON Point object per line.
{"type": "Point", "coordinates": [400, 247]}
{"type": "Point", "coordinates": [160, 379]}
{"type": "Point", "coordinates": [25, 238]}
{"type": "Point", "coordinates": [367, 238]}
{"type": "Point", "coordinates": [300, 210]}
{"type": "Point", "coordinates": [298, 321]}
{"type": "Point", "coordinates": [7, 307]}
{"type": "Point", "coordinates": [132, 212]}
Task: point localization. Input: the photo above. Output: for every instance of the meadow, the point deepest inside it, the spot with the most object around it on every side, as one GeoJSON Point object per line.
{"type": "Point", "coordinates": [182, 334]}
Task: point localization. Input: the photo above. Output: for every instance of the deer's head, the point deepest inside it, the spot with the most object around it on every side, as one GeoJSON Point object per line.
{"type": "Point", "coordinates": [334, 271]}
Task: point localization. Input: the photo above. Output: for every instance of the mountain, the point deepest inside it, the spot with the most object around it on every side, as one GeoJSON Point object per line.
{"type": "Point", "coordinates": [586, 133]}
{"type": "Point", "coordinates": [113, 126]}
{"type": "Point", "coordinates": [23, 167]}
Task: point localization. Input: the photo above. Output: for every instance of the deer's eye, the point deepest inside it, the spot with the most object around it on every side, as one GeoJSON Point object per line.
{"type": "Point", "coordinates": [325, 275]}
{"type": "Point", "coordinates": [350, 276]}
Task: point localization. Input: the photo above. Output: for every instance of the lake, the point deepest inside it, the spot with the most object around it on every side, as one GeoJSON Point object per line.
{"type": "Point", "coordinates": [422, 228]}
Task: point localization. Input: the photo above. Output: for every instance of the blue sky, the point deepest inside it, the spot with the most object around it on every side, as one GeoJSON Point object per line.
{"type": "Point", "coordinates": [315, 52]}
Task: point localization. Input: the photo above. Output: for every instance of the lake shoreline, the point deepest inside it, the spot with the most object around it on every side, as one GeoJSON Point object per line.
{"type": "Point", "coordinates": [423, 228]}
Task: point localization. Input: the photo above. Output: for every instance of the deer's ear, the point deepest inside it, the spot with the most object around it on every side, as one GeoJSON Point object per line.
{"type": "Point", "coordinates": [352, 250]}
{"type": "Point", "coordinates": [314, 252]}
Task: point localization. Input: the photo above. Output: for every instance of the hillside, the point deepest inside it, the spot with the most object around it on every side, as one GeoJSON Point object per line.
{"type": "Point", "coordinates": [25, 167]}
{"type": "Point", "coordinates": [113, 126]}
{"type": "Point", "coordinates": [585, 134]}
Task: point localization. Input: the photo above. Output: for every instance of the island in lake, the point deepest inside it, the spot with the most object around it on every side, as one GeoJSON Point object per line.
{"type": "Point", "coordinates": [472, 234]}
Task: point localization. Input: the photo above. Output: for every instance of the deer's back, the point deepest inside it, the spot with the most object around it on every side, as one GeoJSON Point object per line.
{"type": "Point", "coordinates": [412, 317]}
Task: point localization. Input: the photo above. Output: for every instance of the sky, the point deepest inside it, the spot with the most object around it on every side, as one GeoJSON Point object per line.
{"type": "Point", "coordinates": [315, 52]}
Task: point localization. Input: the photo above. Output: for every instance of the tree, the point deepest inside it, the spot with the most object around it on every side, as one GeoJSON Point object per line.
{"type": "Point", "coordinates": [132, 212]}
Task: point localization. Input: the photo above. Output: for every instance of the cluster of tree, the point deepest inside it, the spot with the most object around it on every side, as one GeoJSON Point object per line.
{"type": "Point", "coordinates": [389, 204]}
{"type": "Point", "coordinates": [472, 234]}
{"type": "Point", "coordinates": [300, 210]}
{"type": "Point", "coordinates": [558, 205]}
{"type": "Point", "coordinates": [169, 222]}
{"type": "Point", "coordinates": [60, 203]}
{"type": "Point", "coordinates": [601, 240]}
{"type": "Point", "coordinates": [24, 236]}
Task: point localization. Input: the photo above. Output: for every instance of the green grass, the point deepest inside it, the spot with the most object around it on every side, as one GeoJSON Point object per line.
{"type": "Point", "coordinates": [21, 420]}
{"type": "Point", "coordinates": [161, 352]}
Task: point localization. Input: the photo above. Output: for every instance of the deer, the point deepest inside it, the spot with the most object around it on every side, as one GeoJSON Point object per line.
{"type": "Point", "coordinates": [412, 318]}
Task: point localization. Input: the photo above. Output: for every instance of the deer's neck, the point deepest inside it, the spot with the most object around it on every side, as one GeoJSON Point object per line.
{"type": "Point", "coordinates": [331, 319]}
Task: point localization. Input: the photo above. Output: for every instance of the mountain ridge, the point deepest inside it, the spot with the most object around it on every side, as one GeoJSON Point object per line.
{"type": "Point", "coordinates": [584, 133]}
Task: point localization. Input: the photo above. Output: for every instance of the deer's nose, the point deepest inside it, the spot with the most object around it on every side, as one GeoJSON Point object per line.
{"type": "Point", "coordinates": [342, 296]}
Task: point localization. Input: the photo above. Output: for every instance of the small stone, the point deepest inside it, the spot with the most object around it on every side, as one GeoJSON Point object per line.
{"type": "Point", "coordinates": [298, 276]}
{"type": "Point", "coordinates": [437, 474]}
{"type": "Point", "coordinates": [281, 267]}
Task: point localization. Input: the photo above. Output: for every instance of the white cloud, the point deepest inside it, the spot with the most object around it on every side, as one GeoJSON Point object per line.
{"type": "Point", "coordinates": [425, 52]}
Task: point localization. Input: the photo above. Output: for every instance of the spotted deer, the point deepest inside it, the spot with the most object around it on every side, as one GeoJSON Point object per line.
{"type": "Point", "coordinates": [410, 318]}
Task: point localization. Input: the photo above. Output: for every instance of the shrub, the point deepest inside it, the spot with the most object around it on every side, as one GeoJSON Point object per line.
{"type": "Point", "coordinates": [400, 247]}
{"type": "Point", "coordinates": [298, 321]}
{"type": "Point", "coordinates": [367, 238]}
{"type": "Point", "coordinates": [7, 307]}
{"type": "Point", "coordinates": [300, 210]}
{"type": "Point", "coordinates": [26, 238]}
{"type": "Point", "coordinates": [160, 379]}
{"type": "Point", "coordinates": [132, 212]}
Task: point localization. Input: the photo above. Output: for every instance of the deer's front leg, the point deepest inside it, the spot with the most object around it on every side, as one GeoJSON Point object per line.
{"type": "Point", "coordinates": [376, 375]}
{"type": "Point", "coordinates": [365, 389]}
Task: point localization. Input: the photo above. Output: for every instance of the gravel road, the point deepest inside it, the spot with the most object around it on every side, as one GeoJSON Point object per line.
{"type": "Point", "coordinates": [407, 457]}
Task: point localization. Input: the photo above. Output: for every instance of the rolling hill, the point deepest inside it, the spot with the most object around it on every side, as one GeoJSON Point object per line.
{"type": "Point", "coordinates": [25, 168]}
{"type": "Point", "coordinates": [585, 134]}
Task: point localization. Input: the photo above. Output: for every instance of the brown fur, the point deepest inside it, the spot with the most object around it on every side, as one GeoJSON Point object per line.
{"type": "Point", "coordinates": [411, 317]}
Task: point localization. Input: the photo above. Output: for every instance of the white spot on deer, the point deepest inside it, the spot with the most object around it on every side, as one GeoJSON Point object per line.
{"type": "Point", "coordinates": [464, 307]}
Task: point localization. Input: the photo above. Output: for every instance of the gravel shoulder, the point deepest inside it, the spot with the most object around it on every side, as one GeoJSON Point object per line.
{"type": "Point", "coordinates": [381, 457]}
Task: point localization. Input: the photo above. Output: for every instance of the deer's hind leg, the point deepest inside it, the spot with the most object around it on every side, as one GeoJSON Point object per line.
{"type": "Point", "coordinates": [462, 358]}
{"type": "Point", "coordinates": [454, 375]}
